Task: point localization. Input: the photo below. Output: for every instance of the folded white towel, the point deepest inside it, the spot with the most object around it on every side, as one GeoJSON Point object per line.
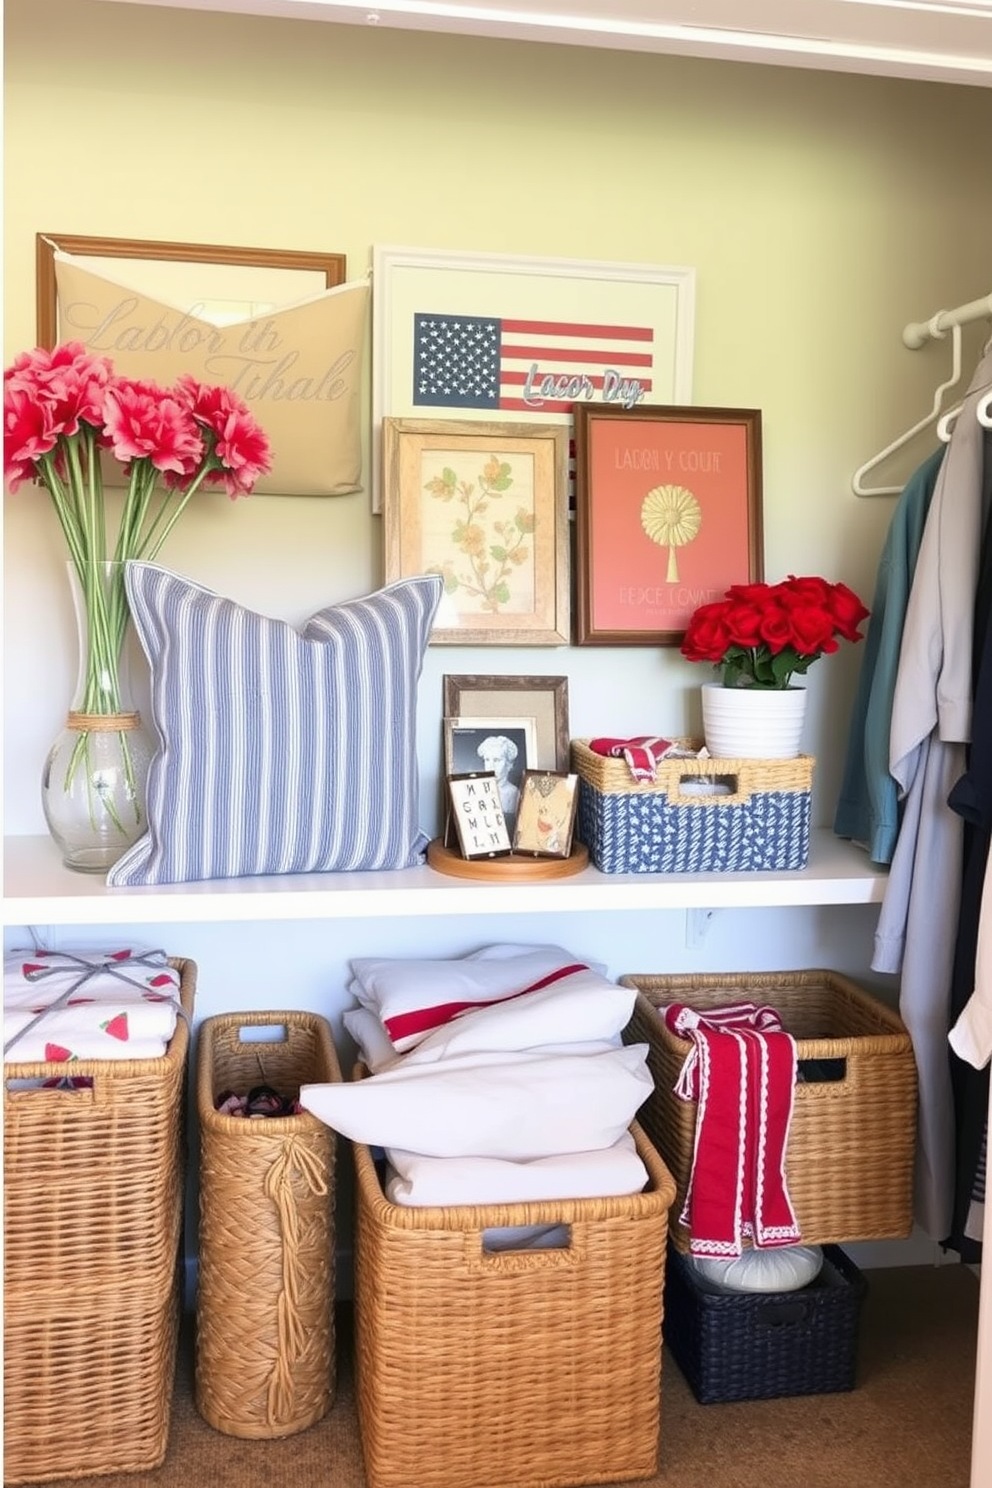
{"type": "Point", "coordinates": [524, 1105]}
{"type": "Point", "coordinates": [413, 1179]}
{"type": "Point", "coordinates": [414, 998]}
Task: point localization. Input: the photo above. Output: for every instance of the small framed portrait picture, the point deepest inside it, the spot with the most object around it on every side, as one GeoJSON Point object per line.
{"type": "Point", "coordinates": [478, 816]}
{"type": "Point", "coordinates": [546, 814]}
{"type": "Point", "coordinates": [504, 747]}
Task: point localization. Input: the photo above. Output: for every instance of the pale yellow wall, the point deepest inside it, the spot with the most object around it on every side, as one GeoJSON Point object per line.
{"type": "Point", "coordinates": [821, 212]}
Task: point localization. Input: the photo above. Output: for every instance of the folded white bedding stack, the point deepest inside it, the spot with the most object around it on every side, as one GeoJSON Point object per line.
{"type": "Point", "coordinates": [498, 1077]}
{"type": "Point", "coordinates": [61, 1006]}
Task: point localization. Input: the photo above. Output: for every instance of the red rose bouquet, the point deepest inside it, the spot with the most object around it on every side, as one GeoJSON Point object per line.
{"type": "Point", "coordinates": [761, 635]}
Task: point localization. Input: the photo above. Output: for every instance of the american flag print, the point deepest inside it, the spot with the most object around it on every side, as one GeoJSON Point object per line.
{"type": "Point", "coordinates": [527, 366]}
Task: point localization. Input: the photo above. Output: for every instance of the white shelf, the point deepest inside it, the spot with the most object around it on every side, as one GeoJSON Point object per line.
{"type": "Point", "coordinates": [38, 890]}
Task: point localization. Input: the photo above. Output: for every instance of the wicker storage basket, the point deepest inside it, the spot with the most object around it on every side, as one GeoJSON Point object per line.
{"type": "Point", "coordinates": [88, 1382]}
{"type": "Point", "coordinates": [265, 1364]}
{"type": "Point", "coordinates": [757, 1346]}
{"type": "Point", "coordinates": [849, 1163]}
{"type": "Point", "coordinates": [664, 826]}
{"type": "Point", "coordinates": [93, 1198]}
{"type": "Point", "coordinates": [478, 1369]}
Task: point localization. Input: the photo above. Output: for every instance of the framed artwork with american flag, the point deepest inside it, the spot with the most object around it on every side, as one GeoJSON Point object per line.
{"type": "Point", "coordinates": [507, 338]}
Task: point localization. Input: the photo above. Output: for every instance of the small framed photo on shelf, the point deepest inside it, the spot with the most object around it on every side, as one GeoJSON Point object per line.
{"type": "Point", "coordinates": [546, 814]}
{"type": "Point", "coordinates": [503, 747]}
{"type": "Point", "coordinates": [478, 816]}
{"type": "Point", "coordinates": [667, 517]}
{"type": "Point", "coordinates": [545, 699]}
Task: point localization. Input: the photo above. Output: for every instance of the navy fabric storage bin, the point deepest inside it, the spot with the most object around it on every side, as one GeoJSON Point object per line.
{"type": "Point", "coordinates": [760, 1345]}
{"type": "Point", "coordinates": [760, 822]}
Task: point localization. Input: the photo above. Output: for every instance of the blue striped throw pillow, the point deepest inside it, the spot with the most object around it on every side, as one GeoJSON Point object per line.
{"type": "Point", "coordinates": [281, 751]}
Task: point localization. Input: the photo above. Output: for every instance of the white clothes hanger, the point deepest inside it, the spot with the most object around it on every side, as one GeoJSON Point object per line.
{"type": "Point", "coordinates": [946, 422]}
{"type": "Point", "coordinates": [857, 481]}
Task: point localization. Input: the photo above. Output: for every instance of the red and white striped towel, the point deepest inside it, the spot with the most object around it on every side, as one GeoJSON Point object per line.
{"type": "Point", "coordinates": [643, 752]}
{"type": "Point", "coordinates": [742, 1073]}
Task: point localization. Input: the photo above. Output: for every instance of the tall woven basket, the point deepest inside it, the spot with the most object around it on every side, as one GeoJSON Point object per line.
{"type": "Point", "coordinates": [94, 1181]}
{"type": "Point", "coordinates": [265, 1364]}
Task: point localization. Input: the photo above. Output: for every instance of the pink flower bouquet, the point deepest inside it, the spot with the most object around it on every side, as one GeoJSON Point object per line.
{"type": "Point", "coordinates": [65, 413]}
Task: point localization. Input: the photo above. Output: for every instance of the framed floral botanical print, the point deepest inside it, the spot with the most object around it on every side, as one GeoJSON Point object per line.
{"type": "Point", "coordinates": [486, 506]}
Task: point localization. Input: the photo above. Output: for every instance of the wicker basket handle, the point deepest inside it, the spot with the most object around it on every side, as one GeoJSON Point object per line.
{"type": "Point", "coordinates": [96, 1094]}
{"type": "Point", "coordinates": [554, 1257]}
{"type": "Point", "coordinates": [689, 790]}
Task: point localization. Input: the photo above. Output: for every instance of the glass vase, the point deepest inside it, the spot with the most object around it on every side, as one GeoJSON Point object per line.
{"type": "Point", "coordinates": [93, 783]}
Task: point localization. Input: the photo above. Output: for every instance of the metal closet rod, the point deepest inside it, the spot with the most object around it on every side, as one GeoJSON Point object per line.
{"type": "Point", "coordinates": [919, 332]}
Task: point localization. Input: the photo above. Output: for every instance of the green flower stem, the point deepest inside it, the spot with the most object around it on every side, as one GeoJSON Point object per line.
{"type": "Point", "coordinates": [153, 538]}
{"type": "Point", "coordinates": [64, 511]}
{"type": "Point", "coordinates": [105, 604]}
{"type": "Point", "coordinates": [73, 477]}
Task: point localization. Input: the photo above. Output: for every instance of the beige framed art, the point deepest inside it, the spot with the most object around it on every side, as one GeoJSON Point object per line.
{"type": "Point", "coordinates": [280, 328]}
{"type": "Point", "coordinates": [543, 699]}
{"type": "Point", "coordinates": [486, 506]}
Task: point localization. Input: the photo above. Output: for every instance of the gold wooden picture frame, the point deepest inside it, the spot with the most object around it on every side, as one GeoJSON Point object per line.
{"type": "Point", "coordinates": [327, 269]}
{"type": "Point", "coordinates": [486, 506]}
{"type": "Point", "coordinates": [545, 818]}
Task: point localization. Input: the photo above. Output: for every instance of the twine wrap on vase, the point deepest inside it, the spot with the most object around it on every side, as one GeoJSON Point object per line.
{"type": "Point", "coordinates": [109, 723]}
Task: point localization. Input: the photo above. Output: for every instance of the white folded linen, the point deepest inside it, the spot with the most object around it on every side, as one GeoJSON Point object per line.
{"type": "Point", "coordinates": [413, 1179]}
{"type": "Point", "coordinates": [371, 1039]}
{"type": "Point", "coordinates": [37, 1048]}
{"type": "Point", "coordinates": [528, 1104]}
{"type": "Point", "coordinates": [581, 1008]}
{"type": "Point", "coordinates": [36, 979]}
{"type": "Point", "coordinates": [413, 998]}
{"type": "Point", "coordinates": [68, 1005]}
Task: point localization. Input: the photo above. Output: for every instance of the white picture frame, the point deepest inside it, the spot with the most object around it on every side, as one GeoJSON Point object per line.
{"type": "Point", "coordinates": [478, 816]}
{"type": "Point", "coordinates": [652, 305]}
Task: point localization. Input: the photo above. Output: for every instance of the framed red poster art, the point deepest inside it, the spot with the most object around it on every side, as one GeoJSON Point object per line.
{"type": "Point", "coordinates": [668, 516]}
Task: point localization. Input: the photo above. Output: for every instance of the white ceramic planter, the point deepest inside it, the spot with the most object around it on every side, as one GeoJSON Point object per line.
{"type": "Point", "coordinates": [750, 723]}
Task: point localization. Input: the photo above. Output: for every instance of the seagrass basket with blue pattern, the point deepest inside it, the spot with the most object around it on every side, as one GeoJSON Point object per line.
{"type": "Point", "coordinates": [696, 815]}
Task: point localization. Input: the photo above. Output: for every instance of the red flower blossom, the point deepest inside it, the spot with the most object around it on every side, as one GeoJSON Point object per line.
{"type": "Point", "coordinates": [243, 451]}
{"type": "Point", "coordinates": [240, 450]}
{"type": "Point", "coordinates": [146, 423]}
{"type": "Point", "coordinates": [761, 635]}
{"type": "Point", "coordinates": [28, 433]}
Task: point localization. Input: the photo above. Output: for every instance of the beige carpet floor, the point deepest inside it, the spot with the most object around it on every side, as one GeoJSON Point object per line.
{"type": "Point", "coordinates": [906, 1425]}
